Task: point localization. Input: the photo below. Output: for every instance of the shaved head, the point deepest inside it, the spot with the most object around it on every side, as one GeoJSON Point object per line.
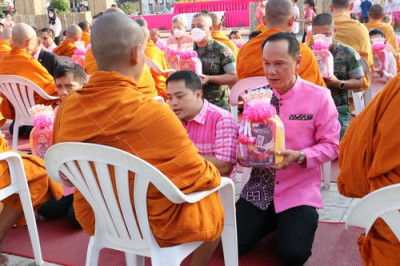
{"type": "Point", "coordinates": [377, 11]}
{"type": "Point", "coordinates": [6, 34]}
{"type": "Point", "coordinates": [278, 12]}
{"type": "Point", "coordinates": [121, 46]}
{"type": "Point", "coordinates": [21, 34]}
{"type": "Point", "coordinates": [84, 25]}
{"type": "Point", "coordinates": [341, 3]}
{"type": "Point", "coordinates": [216, 21]}
{"type": "Point", "coordinates": [114, 9]}
{"type": "Point", "coordinates": [207, 19]}
{"type": "Point", "coordinates": [73, 33]}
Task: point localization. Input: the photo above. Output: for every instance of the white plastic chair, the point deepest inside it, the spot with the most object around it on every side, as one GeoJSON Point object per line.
{"type": "Point", "coordinates": [116, 225]}
{"type": "Point", "coordinates": [383, 203]}
{"type": "Point", "coordinates": [64, 59]}
{"type": "Point", "coordinates": [151, 64]}
{"type": "Point", "coordinates": [20, 93]}
{"type": "Point", "coordinates": [19, 185]}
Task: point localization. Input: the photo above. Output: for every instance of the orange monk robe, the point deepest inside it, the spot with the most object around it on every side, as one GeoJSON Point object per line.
{"type": "Point", "coordinates": [158, 57]}
{"type": "Point", "coordinates": [5, 47]}
{"type": "Point", "coordinates": [389, 34]}
{"type": "Point", "coordinates": [146, 82]}
{"type": "Point", "coordinates": [41, 187]}
{"type": "Point", "coordinates": [369, 159]}
{"type": "Point", "coordinates": [66, 48]}
{"type": "Point", "coordinates": [85, 38]}
{"type": "Point", "coordinates": [135, 128]}
{"type": "Point", "coordinates": [261, 27]}
{"type": "Point", "coordinates": [221, 37]}
{"type": "Point", "coordinates": [21, 63]}
{"type": "Point", "coordinates": [354, 34]}
{"type": "Point", "coordinates": [249, 60]}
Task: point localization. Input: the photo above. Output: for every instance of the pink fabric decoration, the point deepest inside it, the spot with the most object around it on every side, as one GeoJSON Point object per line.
{"type": "Point", "coordinates": [80, 51]}
{"type": "Point", "coordinates": [246, 139]}
{"type": "Point", "coordinates": [378, 47]}
{"type": "Point", "coordinates": [318, 46]}
{"type": "Point", "coordinates": [258, 110]}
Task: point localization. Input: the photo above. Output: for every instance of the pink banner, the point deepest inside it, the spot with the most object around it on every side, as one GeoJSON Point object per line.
{"type": "Point", "coordinates": [235, 19]}
{"type": "Point", "coordinates": [225, 5]}
{"type": "Point", "coordinates": [161, 22]}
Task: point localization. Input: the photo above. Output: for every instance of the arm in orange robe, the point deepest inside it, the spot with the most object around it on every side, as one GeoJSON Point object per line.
{"type": "Point", "coordinates": [20, 63]}
{"type": "Point", "coordinates": [5, 47]}
{"type": "Point", "coordinates": [221, 37]}
{"type": "Point", "coordinates": [41, 187]}
{"type": "Point", "coordinates": [85, 38]}
{"type": "Point", "coordinates": [158, 57]}
{"type": "Point", "coordinates": [66, 48]}
{"type": "Point", "coordinates": [135, 126]}
{"type": "Point", "coordinates": [369, 159]}
{"type": "Point", "coordinates": [249, 60]}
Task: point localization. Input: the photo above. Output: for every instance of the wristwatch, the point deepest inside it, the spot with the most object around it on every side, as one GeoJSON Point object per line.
{"type": "Point", "coordinates": [301, 157]}
{"type": "Point", "coordinates": [341, 85]}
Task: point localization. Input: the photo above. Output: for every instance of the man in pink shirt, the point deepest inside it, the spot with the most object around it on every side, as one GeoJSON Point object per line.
{"type": "Point", "coordinates": [285, 196]}
{"type": "Point", "coordinates": [212, 129]}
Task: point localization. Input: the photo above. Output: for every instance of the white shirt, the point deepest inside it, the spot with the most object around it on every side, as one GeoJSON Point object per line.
{"type": "Point", "coordinates": [51, 47]}
{"type": "Point", "coordinates": [56, 27]}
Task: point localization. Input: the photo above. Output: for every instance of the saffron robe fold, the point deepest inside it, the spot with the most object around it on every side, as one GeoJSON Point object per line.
{"type": "Point", "coordinates": [369, 159]}
{"type": "Point", "coordinates": [5, 47]}
{"type": "Point", "coordinates": [66, 48]}
{"type": "Point", "coordinates": [85, 38]}
{"type": "Point", "coordinates": [249, 60]}
{"type": "Point", "coordinates": [146, 83]}
{"type": "Point", "coordinates": [158, 57]}
{"type": "Point", "coordinates": [41, 187]}
{"type": "Point", "coordinates": [126, 119]}
{"type": "Point", "coordinates": [21, 63]}
{"type": "Point", "coordinates": [221, 37]}
{"type": "Point", "coordinates": [354, 34]}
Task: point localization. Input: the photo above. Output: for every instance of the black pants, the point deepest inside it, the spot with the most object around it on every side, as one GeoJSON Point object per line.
{"type": "Point", "coordinates": [295, 230]}
{"type": "Point", "coordinates": [364, 19]}
{"type": "Point", "coordinates": [54, 209]}
{"type": "Point", "coordinates": [58, 39]}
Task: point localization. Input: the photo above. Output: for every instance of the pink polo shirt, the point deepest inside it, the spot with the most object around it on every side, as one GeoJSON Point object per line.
{"type": "Point", "coordinates": [214, 132]}
{"type": "Point", "coordinates": [311, 125]}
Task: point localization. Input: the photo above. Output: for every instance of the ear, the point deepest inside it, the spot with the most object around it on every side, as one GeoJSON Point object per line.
{"type": "Point", "coordinates": [135, 54]}
{"type": "Point", "coordinates": [298, 61]}
{"type": "Point", "coordinates": [291, 21]}
{"type": "Point", "coordinates": [199, 93]}
{"type": "Point", "coordinates": [332, 8]}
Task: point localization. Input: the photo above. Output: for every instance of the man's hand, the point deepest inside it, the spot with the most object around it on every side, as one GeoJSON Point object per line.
{"type": "Point", "coordinates": [290, 157]}
{"type": "Point", "coordinates": [333, 82]}
{"type": "Point", "coordinates": [204, 79]}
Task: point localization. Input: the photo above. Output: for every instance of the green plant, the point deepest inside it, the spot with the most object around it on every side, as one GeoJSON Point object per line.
{"type": "Point", "coordinates": [129, 7]}
{"type": "Point", "coordinates": [62, 6]}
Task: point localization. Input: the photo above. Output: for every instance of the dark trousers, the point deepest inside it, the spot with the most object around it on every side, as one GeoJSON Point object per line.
{"type": "Point", "coordinates": [58, 39]}
{"type": "Point", "coordinates": [364, 19]}
{"type": "Point", "coordinates": [295, 230]}
{"type": "Point", "coordinates": [54, 209]}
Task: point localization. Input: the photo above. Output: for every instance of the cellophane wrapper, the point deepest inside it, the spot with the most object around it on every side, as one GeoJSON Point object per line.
{"type": "Point", "coordinates": [190, 61]}
{"type": "Point", "coordinates": [324, 59]}
{"type": "Point", "coordinates": [41, 134]}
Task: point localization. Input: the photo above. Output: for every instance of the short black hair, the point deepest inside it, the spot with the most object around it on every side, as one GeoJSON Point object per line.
{"type": "Point", "coordinates": [322, 19]}
{"type": "Point", "coordinates": [341, 3]}
{"type": "Point", "coordinates": [191, 79]}
{"type": "Point", "coordinates": [254, 34]}
{"type": "Point", "coordinates": [84, 25]}
{"type": "Point", "coordinates": [293, 43]}
{"type": "Point", "coordinates": [377, 32]}
{"type": "Point", "coordinates": [77, 71]}
{"type": "Point", "coordinates": [48, 30]}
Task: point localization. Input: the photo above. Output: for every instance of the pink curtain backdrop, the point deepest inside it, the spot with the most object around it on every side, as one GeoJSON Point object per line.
{"type": "Point", "coordinates": [234, 19]}
{"type": "Point", "coordinates": [224, 5]}
{"type": "Point", "coordinates": [162, 21]}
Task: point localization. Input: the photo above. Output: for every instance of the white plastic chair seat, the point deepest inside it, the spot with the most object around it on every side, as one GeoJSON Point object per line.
{"type": "Point", "coordinates": [19, 186]}
{"type": "Point", "coordinates": [383, 203]}
{"type": "Point", "coordinates": [151, 64]}
{"type": "Point", "coordinates": [116, 225]}
{"type": "Point", "coordinates": [20, 93]}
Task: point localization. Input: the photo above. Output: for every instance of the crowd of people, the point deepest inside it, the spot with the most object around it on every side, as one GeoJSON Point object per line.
{"type": "Point", "coordinates": [193, 138]}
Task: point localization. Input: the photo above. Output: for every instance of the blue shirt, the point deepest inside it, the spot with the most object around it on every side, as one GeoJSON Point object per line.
{"type": "Point", "coordinates": [365, 6]}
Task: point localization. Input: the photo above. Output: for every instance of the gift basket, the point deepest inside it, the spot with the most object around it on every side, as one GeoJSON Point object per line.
{"type": "Point", "coordinates": [172, 58]}
{"type": "Point", "coordinates": [189, 61]}
{"type": "Point", "coordinates": [41, 134]}
{"type": "Point", "coordinates": [324, 57]}
{"type": "Point", "coordinates": [379, 54]}
{"type": "Point", "coordinates": [261, 132]}
{"type": "Point", "coordinates": [79, 54]}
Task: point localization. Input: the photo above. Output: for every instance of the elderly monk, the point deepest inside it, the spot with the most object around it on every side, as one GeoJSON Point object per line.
{"type": "Point", "coordinates": [369, 160]}
{"type": "Point", "coordinates": [375, 15]}
{"type": "Point", "coordinates": [279, 17]}
{"type": "Point", "coordinates": [67, 47]}
{"type": "Point", "coordinates": [21, 63]}
{"type": "Point", "coordinates": [5, 45]}
{"type": "Point", "coordinates": [219, 36]}
{"type": "Point", "coordinates": [135, 127]}
{"type": "Point", "coordinates": [145, 84]}
{"type": "Point", "coordinates": [351, 32]}
{"type": "Point", "coordinates": [41, 188]}
{"type": "Point", "coordinates": [84, 25]}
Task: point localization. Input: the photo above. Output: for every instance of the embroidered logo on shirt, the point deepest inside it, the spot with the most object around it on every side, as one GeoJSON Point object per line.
{"type": "Point", "coordinates": [227, 52]}
{"type": "Point", "coordinates": [301, 117]}
{"type": "Point", "coordinates": [357, 56]}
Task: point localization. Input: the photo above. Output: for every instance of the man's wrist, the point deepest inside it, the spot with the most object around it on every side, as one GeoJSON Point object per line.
{"type": "Point", "coordinates": [302, 157]}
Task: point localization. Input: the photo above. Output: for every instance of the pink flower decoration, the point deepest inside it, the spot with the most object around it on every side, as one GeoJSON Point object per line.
{"type": "Point", "coordinates": [43, 120]}
{"type": "Point", "coordinates": [258, 110]}
{"type": "Point", "coordinates": [378, 47]}
{"type": "Point", "coordinates": [246, 139]}
{"type": "Point", "coordinates": [80, 51]}
{"type": "Point", "coordinates": [320, 45]}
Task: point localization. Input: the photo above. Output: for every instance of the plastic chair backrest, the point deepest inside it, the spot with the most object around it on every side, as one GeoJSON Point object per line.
{"type": "Point", "coordinates": [368, 73]}
{"type": "Point", "coordinates": [64, 59]}
{"type": "Point", "coordinates": [383, 203]}
{"type": "Point", "coordinates": [19, 186]}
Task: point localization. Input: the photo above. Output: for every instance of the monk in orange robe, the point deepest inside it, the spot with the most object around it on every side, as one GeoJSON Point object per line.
{"type": "Point", "coordinates": [279, 17]}
{"type": "Point", "coordinates": [369, 159]}
{"type": "Point", "coordinates": [67, 47]}
{"type": "Point", "coordinates": [261, 27]}
{"type": "Point", "coordinates": [85, 32]}
{"type": "Point", "coordinates": [20, 62]}
{"type": "Point", "coordinates": [135, 127]}
{"type": "Point", "coordinates": [219, 36]}
{"type": "Point", "coordinates": [5, 45]}
{"type": "Point", "coordinates": [375, 15]}
{"type": "Point", "coordinates": [352, 33]}
{"type": "Point", "coordinates": [41, 188]}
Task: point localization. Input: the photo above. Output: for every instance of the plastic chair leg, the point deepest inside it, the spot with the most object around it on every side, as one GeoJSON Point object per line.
{"type": "Point", "coordinates": [134, 260]}
{"type": "Point", "coordinates": [92, 254]}
{"type": "Point", "coordinates": [326, 174]}
{"type": "Point", "coordinates": [15, 136]}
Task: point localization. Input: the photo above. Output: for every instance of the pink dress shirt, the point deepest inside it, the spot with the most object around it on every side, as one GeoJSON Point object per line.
{"type": "Point", "coordinates": [311, 125]}
{"type": "Point", "coordinates": [214, 132]}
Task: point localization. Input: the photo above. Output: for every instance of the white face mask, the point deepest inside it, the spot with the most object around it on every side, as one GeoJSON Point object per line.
{"type": "Point", "coordinates": [322, 37]}
{"type": "Point", "coordinates": [178, 33]}
{"type": "Point", "coordinates": [197, 34]}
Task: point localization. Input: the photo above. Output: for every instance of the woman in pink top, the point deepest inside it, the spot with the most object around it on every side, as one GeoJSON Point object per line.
{"type": "Point", "coordinates": [309, 15]}
{"type": "Point", "coordinates": [179, 40]}
{"type": "Point", "coordinates": [260, 12]}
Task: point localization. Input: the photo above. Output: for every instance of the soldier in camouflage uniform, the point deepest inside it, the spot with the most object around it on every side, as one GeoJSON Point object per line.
{"type": "Point", "coordinates": [348, 73]}
{"type": "Point", "coordinates": [218, 62]}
